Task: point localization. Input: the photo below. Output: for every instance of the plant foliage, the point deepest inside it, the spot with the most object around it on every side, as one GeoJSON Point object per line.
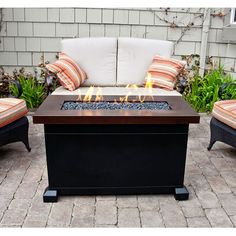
{"type": "Point", "coordinates": [35, 87]}
{"type": "Point", "coordinates": [202, 92]}
{"type": "Point", "coordinates": [33, 92]}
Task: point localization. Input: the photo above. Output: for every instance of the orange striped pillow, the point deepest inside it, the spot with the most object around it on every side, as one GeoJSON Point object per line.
{"type": "Point", "coordinates": [69, 73]}
{"type": "Point", "coordinates": [163, 72]}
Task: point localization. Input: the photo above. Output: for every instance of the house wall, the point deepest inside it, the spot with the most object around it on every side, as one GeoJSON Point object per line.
{"type": "Point", "coordinates": [27, 33]}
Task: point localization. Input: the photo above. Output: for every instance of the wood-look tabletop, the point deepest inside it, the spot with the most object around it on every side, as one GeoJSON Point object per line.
{"type": "Point", "coordinates": [50, 112]}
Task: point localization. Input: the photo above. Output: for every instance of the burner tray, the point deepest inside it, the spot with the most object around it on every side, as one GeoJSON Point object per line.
{"type": "Point", "coordinates": [68, 105]}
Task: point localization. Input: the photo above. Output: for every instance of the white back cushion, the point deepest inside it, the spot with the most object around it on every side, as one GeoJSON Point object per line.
{"type": "Point", "coordinates": [135, 56]}
{"type": "Point", "coordinates": [96, 56]}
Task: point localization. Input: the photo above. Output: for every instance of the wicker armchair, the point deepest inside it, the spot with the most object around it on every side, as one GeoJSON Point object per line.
{"type": "Point", "coordinates": [220, 130]}
{"type": "Point", "coordinates": [14, 128]}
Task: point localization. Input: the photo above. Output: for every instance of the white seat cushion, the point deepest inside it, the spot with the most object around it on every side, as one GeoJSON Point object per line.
{"type": "Point", "coordinates": [135, 56]}
{"type": "Point", "coordinates": [119, 91]}
{"type": "Point", "coordinates": [96, 56]}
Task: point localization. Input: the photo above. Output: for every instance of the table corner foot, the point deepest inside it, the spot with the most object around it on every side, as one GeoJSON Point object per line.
{"type": "Point", "coordinates": [50, 195]}
{"type": "Point", "coordinates": [181, 194]}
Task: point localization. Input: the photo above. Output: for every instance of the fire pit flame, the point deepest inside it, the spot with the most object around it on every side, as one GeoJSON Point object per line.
{"type": "Point", "coordinates": [140, 98]}
{"type": "Point", "coordinates": [149, 83]}
{"type": "Point", "coordinates": [99, 96]}
{"type": "Point", "coordinates": [88, 96]}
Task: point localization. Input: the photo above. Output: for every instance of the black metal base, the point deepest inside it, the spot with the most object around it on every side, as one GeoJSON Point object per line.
{"type": "Point", "coordinates": [181, 194]}
{"type": "Point", "coordinates": [115, 159]}
{"type": "Point", "coordinates": [221, 132]}
{"type": "Point", "coordinates": [50, 195]}
{"type": "Point", "coordinates": [17, 131]}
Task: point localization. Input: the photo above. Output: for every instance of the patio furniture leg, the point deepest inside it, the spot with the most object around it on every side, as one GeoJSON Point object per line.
{"type": "Point", "coordinates": [221, 132]}
{"type": "Point", "coordinates": [22, 133]}
{"type": "Point", "coordinates": [25, 137]}
{"type": "Point", "coordinates": [50, 195]}
{"type": "Point", "coordinates": [26, 142]}
{"type": "Point", "coordinates": [181, 194]}
{"type": "Point", "coordinates": [211, 144]}
{"type": "Point", "coordinates": [213, 135]}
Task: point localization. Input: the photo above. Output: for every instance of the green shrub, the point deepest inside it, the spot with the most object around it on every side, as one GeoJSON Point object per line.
{"type": "Point", "coordinates": [33, 92]}
{"type": "Point", "coordinates": [203, 92]}
{"type": "Point", "coordinates": [229, 92]}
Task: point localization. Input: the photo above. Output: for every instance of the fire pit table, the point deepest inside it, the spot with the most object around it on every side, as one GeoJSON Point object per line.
{"type": "Point", "coordinates": [115, 147]}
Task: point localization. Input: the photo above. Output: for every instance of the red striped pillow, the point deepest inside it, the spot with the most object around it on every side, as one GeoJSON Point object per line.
{"type": "Point", "coordinates": [71, 76]}
{"type": "Point", "coordinates": [163, 72]}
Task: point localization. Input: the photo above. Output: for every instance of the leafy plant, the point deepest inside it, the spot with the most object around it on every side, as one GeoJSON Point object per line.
{"type": "Point", "coordinates": [229, 92]}
{"type": "Point", "coordinates": [202, 93]}
{"type": "Point", "coordinates": [33, 92]}
{"type": "Point", "coordinates": [35, 87]}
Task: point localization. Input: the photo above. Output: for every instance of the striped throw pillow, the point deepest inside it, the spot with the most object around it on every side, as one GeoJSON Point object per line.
{"type": "Point", "coordinates": [163, 72]}
{"type": "Point", "coordinates": [69, 73]}
{"type": "Point", "coordinates": [11, 109]}
{"type": "Point", "coordinates": [225, 111]}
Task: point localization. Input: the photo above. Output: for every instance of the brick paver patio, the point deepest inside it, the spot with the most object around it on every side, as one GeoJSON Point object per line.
{"type": "Point", "coordinates": [210, 178]}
